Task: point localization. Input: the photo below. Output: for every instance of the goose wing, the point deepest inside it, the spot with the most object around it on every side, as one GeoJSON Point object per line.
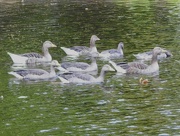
{"type": "Point", "coordinates": [112, 53]}
{"type": "Point", "coordinates": [132, 65]}
{"type": "Point", "coordinates": [136, 68]}
{"type": "Point", "coordinates": [138, 65]}
{"type": "Point", "coordinates": [32, 55]}
{"type": "Point", "coordinates": [37, 72]}
{"type": "Point", "coordinates": [115, 53]}
{"type": "Point", "coordinates": [148, 52]}
{"type": "Point", "coordinates": [76, 76]}
{"type": "Point", "coordinates": [133, 70]}
{"type": "Point", "coordinates": [80, 65]}
{"type": "Point", "coordinates": [144, 55]}
{"type": "Point", "coordinates": [79, 48]}
{"type": "Point", "coordinates": [123, 65]}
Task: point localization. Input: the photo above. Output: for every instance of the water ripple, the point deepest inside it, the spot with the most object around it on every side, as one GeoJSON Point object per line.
{"type": "Point", "coordinates": [48, 130]}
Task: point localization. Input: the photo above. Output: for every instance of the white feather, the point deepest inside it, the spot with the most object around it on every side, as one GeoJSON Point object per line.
{"type": "Point", "coordinates": [118, 68]}
{"type": "Point", "coordinates": [63, 80]}
{"type": "Point", "coordinates": [15, 74]}
{"type": "Point", "coordinates": [62, 69]}
{"type": "Point", "coordinates": [17, 58]}
{"type": "Point", "coordinates": [70, 52]}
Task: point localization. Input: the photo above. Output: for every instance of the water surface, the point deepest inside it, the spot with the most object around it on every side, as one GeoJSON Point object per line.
{"type": "Point", "coordinates": [120, 105]}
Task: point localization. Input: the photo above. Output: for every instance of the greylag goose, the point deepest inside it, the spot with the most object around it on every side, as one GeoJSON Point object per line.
{"type": "Point", "coordinates": [80, 66]}
{"type": "Point", "coordinates": [148, 55]}
{"type": "Point", "coordinates": [34, 57]}
{"type": "Point", "coordinates": [113, 53]}
{"type": "Point", "coordinates": [82, 50]}
{"type": "Point", "coordinates": [36, 74]}
{"type": "Point", "coordinates": [84, 78]}
{"type": "Point", "coordinates": [140, 68]}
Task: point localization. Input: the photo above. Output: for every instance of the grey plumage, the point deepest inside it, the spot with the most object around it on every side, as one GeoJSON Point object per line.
{"type": "Point", "coordinates": [80, 65]}
{"type": "Point", "coordinates": [82, 50]}
{"type": "Point", "coordinates": [84, 78]}
{"type": "Point", "coordinates": [25, 72]}
{"type": "Point", "coordinates": [148, 55]}
{"type": "Point", "coordinates": [132, 64]}
{"type": "Point", "coordinates": [113, 53]}
{"type": "Point", "coordinates": [140, 68]}
{"type": "Point", "coordinates": [35, 74]}
{"type": "Point", "coordinates": [33, 57]}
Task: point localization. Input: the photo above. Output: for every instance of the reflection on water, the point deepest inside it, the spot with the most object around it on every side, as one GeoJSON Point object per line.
{"type": "Point", "coordinates": [120, 105]}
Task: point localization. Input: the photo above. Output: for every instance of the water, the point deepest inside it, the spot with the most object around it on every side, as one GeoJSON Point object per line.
{"type": "Point", "coordinates": [120, 105]}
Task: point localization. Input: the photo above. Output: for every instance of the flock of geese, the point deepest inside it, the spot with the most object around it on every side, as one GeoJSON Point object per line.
{"type": "Point", "coordinates": [78, 72]}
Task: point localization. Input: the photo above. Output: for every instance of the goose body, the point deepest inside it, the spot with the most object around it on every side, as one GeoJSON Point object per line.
{"type": "Point", "coordinates": [140, 68]}
{"type": "Point", "coordinates": [78, 66]}
{"type": "Point", "coordinates": [35, 74]}
{"type": "Point", "coordinates": [82, 50]}
{"type": "Point", "coordinates": [84, 78]}
{"type": "Point", "coordinates": [113, 53]}
{"type": "Point", "coordinates": [148, 55]}
{"type": "Point", "coordinates": [34, 57]}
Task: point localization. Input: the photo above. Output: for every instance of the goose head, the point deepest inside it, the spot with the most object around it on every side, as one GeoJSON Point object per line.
{"type": "Point", "coordinates": [93, 39]}
{"type": "Point", "coordinates": [158, 50]}
{"type": "Point", "coordinates": [48, 44]}
{"type": "Point", "coordinates": [55, 63]}
{"type": "Point", "coordinates": [120, 46]}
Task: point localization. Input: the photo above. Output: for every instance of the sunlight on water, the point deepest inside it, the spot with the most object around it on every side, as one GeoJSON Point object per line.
{"type": "Point", "coordinates": [48, 130]}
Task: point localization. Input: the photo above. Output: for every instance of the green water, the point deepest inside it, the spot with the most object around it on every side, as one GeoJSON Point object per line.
{"type": "Point", "coordinates": [119, 106]}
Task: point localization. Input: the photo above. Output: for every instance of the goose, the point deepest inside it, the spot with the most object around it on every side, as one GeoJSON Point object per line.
{"type": "Point", "coordinates": [138, 67]}
{"type": "Point", "coordinates": [148, 55]}
{"type": "Point", "coordinates": [80, 66]}
{"type": "Point", "coordinates": [113, 53]}
{"type": "Point", "coordinates": [82, 50]}
{"type": "Point", "coordinates": [85, 78]}
{"type": "Point", "coordinates": [35, 74]}
{"type": "Point", "coordinates": [33, 57]}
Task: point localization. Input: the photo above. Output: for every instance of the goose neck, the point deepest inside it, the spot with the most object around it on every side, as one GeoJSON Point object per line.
{"type": "Point", "coordinates": [46, 53]}
{"type": "Point", "coordinates": [154, 58]}
{"type": "Point", "coordinates": [92, 43]}
{"type": "Point", "coordinates": [101, 76]}
{"type": "Point", "coordinates": [52, 70]}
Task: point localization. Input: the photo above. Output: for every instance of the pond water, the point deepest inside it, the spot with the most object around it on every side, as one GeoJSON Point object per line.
{"type": "Point", "coordinates": [120, 105]}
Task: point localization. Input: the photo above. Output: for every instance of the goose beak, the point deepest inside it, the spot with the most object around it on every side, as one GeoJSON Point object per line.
{"type": "Point", "coordinates": [111, 69]}
{"type": "Point", "coordinates": [53, 45]}
{"type": "Point", "coordinates": [62, 69]}
{"type": "Point", "coordinates": [55, 63]}
{"type": "Point", "coordinates": [58, 64]}
{"type": "Point", "coordinates": [164, 51]}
